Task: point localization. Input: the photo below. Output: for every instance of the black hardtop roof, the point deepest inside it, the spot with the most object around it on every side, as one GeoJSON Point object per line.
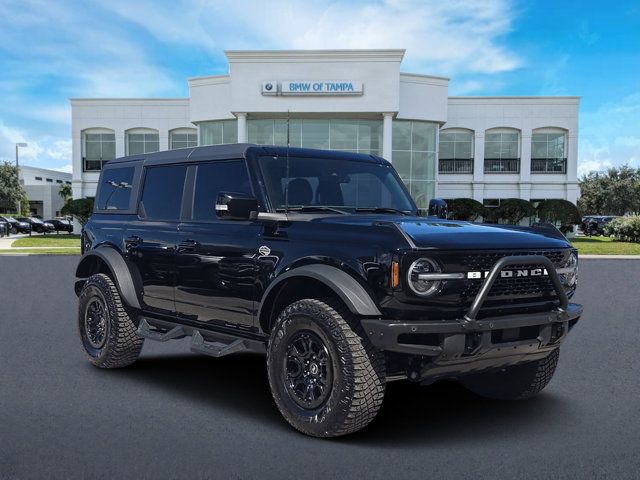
{"type": "Point", "coordinates": [239, 150]}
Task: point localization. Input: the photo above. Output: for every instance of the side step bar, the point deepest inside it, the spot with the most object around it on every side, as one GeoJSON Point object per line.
{"type": "Point", "coordinates": [145, 331]}
{"type": "Point", "coordinates": [207, 342]}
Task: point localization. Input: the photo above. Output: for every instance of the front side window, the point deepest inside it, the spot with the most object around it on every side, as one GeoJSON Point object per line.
{"type": "Point", "coordinates": [162, 192]}
{"type": "Point", "coordinates": [456, 152]}
{"type": "Point", "coordinates": [115, 189]}
{"type": "Point", "coordinates": [213, 178]}
{"type": "Point", "coordinates": [142, 142]}
{"type": "Point", "coordinates": [339, 183]}
{"type": "Point", "coordinates": [186, 138]}
{"type": "Point", "coordinates": [548, 152]}
{"type": "Point", "coordinates": [98, 148]}
{"type": "Point", "coordinates": [502, 152]}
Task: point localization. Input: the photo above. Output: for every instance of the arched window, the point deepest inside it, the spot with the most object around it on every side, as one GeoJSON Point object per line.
{"type": "Point", "coordinates": [502, 150]}
{"type": "Point", "coordinates": [456, 151]}
{"type": "Point", "coordinates": [98, 147]}
{"type": "Point", "coordinates": [142, 140]}
{"type": "Point", "coordinates": [549, 150]}
{"type": "Point", "coordinates": [183, 138]}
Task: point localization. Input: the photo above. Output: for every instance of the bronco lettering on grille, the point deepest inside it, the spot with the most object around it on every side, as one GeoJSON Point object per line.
{"type": "Point", "coordinates": [520, 273]}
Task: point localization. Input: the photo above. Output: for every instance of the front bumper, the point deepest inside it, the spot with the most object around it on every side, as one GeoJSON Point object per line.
{"type": "Point", "coordinates": [446, 348]}
{"type": "Point", "coordinates": [452, 347]}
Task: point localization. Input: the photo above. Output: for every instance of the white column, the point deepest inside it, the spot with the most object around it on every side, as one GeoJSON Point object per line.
{"type": "Point", "coordinates": [572, 158]}
{"type": "Point", "coordinates": [387, 135]}
{"type": "Point", "coordinates": [478, 166]}
{"type": "Point", "coordinates": [242, 127]}
{"type": "Point", "coordinates": [525, 156]}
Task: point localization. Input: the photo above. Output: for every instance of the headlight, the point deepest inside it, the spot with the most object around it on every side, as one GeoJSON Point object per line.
{"type": "Point", "coordinates": [423, 277]}
{"type": "Point", "coordinates": [569, 271]}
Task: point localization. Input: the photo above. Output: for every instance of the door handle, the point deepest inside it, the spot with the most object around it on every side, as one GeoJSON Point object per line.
{"type": "Point", "coordinates": [188, 246]}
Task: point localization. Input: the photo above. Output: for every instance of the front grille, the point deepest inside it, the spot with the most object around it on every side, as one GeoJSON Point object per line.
{"type": "Point", "coordinates": [485, 261]}
{"type": "Point", "coordinates": [514, 286]}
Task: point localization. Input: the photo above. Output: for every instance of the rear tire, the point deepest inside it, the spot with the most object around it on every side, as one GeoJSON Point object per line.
{"type": "Point", "coordinates": [514, 383]}
{"type": "Point", "coordinates": [107, 331]}
{"type": "Point", "coordinates": [325, 376]}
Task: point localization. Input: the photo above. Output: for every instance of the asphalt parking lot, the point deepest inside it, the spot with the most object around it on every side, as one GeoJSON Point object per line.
{"type": "Point", "coordinates": [179, 415]}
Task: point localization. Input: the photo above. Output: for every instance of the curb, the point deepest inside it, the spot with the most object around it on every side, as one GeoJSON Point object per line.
{"type": "Point", "coordinates": [609, 257]}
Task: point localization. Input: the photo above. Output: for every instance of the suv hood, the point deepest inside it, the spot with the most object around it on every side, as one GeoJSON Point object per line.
{"type": "Point", "coordinates": [435, 233]}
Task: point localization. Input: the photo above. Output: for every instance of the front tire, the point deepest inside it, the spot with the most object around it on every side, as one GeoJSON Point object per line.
{"type": "Point", "coordinates": [107, 331]}
{"type": "Point", "coordinates": [325, 376]}
{"type": "Point", "coordinates": [514, 383]}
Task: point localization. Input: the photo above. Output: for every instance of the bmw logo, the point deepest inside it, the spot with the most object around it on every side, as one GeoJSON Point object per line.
{"type": "Point", "coordinates": [268, 87]}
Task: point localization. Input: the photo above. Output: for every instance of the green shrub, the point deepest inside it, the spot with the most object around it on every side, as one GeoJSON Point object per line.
{"type": "Point", "coordinates": [561, 213]}
{"type": "Point", "coordinates": [626, 229]}
{"type": "Point", "coordinates": [514, 210]}
{"type": "Point", "coordinates": [466, 209]}
{"type": "Point", "coordinates": [81, 209]}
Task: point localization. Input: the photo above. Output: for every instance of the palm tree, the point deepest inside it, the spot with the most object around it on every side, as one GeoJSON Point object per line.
{"type": "Point", "coordinates": [65, 192]}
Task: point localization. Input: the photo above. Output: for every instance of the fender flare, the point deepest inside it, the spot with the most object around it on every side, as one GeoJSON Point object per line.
{"type": "Point", "coordinates": [119, 272]}
{"type": "Point", "coordinates": [355, 297]}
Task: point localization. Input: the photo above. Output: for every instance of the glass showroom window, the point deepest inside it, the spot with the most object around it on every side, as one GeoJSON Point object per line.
{"type": "Point", "coordinates": [548, 151]}
{"type": "Point", "coordinates": [98, 147]}
{"type": "Point", "coordinates": [183, 138]}
{"type": "Point", "coordinates": [502, 151]}
{"type": "Point", "coordinates": [414, 157]}
{"type": "Point", "coordinates": [219, 132]}
{"type": "Point", "coordinates": [362, 136]}
{"type": "Point", "coordinates": [142, 141]}
{"type": "Point", "coordinates": [455, 154]}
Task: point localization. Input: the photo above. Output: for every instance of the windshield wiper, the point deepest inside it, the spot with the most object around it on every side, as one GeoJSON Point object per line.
{"type": "Point", "coordinates": [381, 210]}
{"type": "Point", "coordinates": [312, 208]}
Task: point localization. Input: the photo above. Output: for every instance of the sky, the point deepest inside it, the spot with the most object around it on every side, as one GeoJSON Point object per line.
{"type": "Point", "coordinates": [53, 50]}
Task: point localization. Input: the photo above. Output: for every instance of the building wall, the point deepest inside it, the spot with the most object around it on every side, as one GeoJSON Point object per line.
{"type": "Point", "coordinates": [388, 96]}
{"type": "Point", "coordinates": [121, 115]}
{"type": "Point", "coordinates": [43, 187]}
{"type": "Point", "coordinates": [525, 114]}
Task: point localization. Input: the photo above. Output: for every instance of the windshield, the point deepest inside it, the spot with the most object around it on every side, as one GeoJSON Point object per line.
{"type": "Point", "coordinates": [339, 183]}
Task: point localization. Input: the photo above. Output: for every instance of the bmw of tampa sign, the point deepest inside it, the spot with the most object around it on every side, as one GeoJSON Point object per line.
{"type": "Point", "coordinates": [312, 87]}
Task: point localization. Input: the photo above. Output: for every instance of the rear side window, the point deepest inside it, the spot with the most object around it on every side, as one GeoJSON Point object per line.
{"type": "Point", "coordinates": [162, 192]}
{"type": "Point", "coordinates": [213, 178]}
{"type": "Point", "coordinates": [115, 190]}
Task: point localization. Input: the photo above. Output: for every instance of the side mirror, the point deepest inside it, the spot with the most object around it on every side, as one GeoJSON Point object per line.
{"type": "Point", "coordinates": [438, 208]}
{"type": "Point", "coordinates": [235, 206]}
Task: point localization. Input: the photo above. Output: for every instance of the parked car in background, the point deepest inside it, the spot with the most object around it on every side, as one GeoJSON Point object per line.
{"type": "Point", "coordinates": [4, 227]}
{"type": "Point", "coordinates": [17, 226]}
{"type": "Point", "coordinates": [61, 225]}
{"type": "Point", "coordinates": [37, 225]}
{"type": "Point", "coordinates": [594, 224]}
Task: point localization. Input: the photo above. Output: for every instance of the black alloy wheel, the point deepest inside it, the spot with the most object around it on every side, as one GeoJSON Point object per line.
{"type": "Point", "coordinates": [308, 370]}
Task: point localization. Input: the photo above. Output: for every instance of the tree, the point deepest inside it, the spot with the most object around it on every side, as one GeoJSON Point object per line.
{"type": "Point", "coordinates": [466, 209]}
{"type": "Point", "coordinates": [65, 192]}
{"type": "Point", "coordinates": [514, 210]}
{"type": "Point", "coordinates": [561, 212]}
{"type": "Point", "coordinates": [616, 192]}
{"type": "Point", "coordinates": [11, 191]}
{"type": "Point", "coordinates": [80, 208]}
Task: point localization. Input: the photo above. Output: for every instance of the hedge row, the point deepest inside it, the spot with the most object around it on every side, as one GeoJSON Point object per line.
{"type": "Point", "coordinates": [626, 229]}
{"type": "Point", "coordinates": [513, 210]}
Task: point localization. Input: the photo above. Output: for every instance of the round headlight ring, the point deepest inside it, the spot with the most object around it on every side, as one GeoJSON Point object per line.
{"type": "Point", "coordinates": [423, 288]}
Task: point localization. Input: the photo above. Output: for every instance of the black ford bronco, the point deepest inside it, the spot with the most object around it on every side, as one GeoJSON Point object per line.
{"type": "Point", "coordinates": [320, 260]}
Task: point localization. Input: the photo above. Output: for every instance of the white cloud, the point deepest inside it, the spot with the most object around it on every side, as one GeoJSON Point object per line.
{"type": "Point", "coordinates": [444, 37]}
{"type": "Point", "coordinates": [610, 136]}
{"type": "Point", "coordinates": [42, 152]}
{"type": "Point", "coordinates": [68, 168]}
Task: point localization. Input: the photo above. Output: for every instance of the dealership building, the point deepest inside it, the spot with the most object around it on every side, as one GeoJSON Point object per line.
{"type": "Point", "coordinates": [487, 148]}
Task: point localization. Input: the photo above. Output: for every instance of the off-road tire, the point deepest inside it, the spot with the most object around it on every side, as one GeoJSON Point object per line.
{"type": "Point", "coordinates": [514, 383]}
{"type": "Point", "coordinates": [121, 343]}
{"type": "Point", "coordinates": [358, 370]}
